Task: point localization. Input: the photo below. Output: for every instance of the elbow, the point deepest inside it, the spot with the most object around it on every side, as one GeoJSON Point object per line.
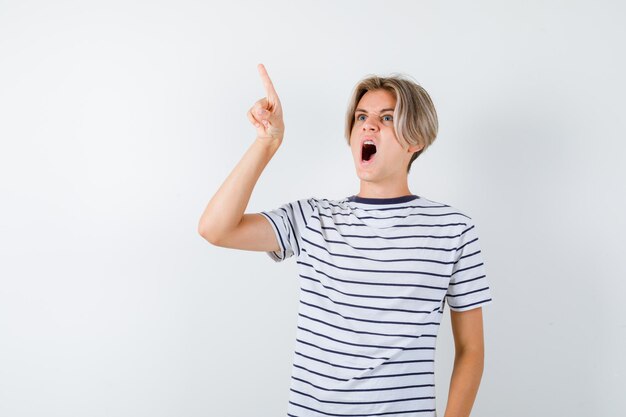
{"type": "Point", "coordinates": [208, 234]}
{"type": "Point", "coordinates": [474, 354]}
{"type": "Point", "coordinates": [201, 229]}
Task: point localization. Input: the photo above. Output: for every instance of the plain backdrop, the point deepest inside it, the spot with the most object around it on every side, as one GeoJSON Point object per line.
{"type": "Point", "coordinates": [120, 119]}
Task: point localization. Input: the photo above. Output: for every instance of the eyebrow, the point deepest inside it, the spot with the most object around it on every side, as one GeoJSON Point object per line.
{"type": "Point", "coordinates": [365, 111]}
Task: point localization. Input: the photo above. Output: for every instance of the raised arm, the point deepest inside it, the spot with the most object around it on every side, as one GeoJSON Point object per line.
{"type": "Point", "coordinates": [224, 222]}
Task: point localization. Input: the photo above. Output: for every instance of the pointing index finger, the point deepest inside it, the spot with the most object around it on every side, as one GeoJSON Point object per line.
{"type": "Point", "coordinates": [270, 92]}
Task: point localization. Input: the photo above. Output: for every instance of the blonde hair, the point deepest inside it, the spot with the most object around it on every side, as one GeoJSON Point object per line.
{"type": "Point", "coordinates": [415, 118]}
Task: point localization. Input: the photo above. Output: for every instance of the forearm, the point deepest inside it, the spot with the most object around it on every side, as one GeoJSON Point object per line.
{"type": "Point", "coordinates": [227, 207]}
{"type": "Point", "coordinates": [464, 383]}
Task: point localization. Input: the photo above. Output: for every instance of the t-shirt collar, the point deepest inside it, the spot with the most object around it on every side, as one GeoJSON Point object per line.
{"type": "Point", "coordinates": [391, 200]}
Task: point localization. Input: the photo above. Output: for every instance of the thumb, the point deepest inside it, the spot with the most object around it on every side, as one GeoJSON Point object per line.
{"type": "Point", "coordinates": [265, 116]}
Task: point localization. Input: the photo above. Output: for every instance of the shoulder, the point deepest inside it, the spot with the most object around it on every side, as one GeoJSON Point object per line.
{"type": "Point", "coordinates": [321, 204]}
{"type": "Point", "coordinates": [450, 212]}
{"type": "Point", "coordinates": [304, 208]}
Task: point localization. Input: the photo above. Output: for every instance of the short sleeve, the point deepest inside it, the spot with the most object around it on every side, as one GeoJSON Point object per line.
{"type": "Point", "coordinates": [288, 221]}
{"type": "Point", "coordinates": [468, 288]}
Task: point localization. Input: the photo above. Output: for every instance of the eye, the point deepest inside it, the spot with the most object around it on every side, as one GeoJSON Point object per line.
{"type": "Point", "coordinates": [359, 116]}
{"type": "Point", "coordinates": [388, 120]}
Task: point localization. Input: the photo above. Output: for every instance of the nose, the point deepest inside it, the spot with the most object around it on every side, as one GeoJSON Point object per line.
{"type": "Point", "coordinates": [370, 125]}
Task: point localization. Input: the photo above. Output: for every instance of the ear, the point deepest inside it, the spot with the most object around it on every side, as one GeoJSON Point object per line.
{"type": "Point", "coordinates": [414, 148]}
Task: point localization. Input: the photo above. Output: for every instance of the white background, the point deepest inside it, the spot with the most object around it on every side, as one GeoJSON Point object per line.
{"type": "Point", "coordinates": [120, 119]}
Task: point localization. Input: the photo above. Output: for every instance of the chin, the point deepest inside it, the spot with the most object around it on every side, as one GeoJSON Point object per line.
{"type": "Point", "coordinates": [365, 176]}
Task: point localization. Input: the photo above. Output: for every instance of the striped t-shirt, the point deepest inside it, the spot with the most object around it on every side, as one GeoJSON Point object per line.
{"type": "Point", "coordinates": [374, 277]}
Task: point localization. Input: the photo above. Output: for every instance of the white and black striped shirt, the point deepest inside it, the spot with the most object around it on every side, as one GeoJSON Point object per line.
{"type": "Point", "coordinates": [374, 274]}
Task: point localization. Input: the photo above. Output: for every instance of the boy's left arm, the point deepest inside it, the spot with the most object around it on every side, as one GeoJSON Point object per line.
{"type": "Point", "coordinates": [467, 328]}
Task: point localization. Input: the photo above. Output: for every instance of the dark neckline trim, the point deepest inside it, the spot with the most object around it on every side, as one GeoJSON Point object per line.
{"type": "Point", "coordinates": [392, 200]}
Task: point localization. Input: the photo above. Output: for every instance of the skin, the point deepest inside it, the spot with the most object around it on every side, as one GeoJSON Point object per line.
{"type": "Point", "coordinates": [469, 357]}
{"type": "Point", "coordinates": [386, 176]}
{"type": "Point", "coordinates": [267, 113]}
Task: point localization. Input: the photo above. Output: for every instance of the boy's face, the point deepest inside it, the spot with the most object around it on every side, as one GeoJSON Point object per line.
{"type": "Point", "coordinates": [373, 120]}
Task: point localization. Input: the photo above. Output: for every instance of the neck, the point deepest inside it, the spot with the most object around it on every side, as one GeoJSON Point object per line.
{"type": "Point", "coordinates": [377, 190]}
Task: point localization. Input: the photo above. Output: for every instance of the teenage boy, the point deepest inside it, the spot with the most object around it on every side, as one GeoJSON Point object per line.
{"type": "Point", "coordinates": [375, 269]}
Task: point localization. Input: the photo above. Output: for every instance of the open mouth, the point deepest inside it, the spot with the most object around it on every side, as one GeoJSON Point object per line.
{"type": "Point", "coordinates": [367, 151]}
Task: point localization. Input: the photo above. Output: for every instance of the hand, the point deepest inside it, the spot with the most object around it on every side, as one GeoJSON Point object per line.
{"type": "Point", "coordinates": [267, 113]}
